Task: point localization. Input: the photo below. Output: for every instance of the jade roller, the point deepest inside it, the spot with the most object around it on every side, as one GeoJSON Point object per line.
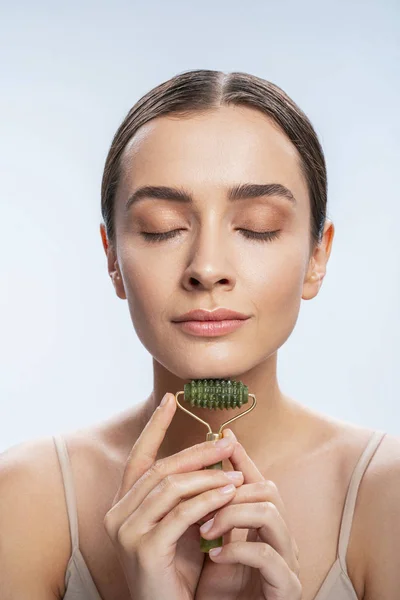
{"type": "Point", "coordinates": [215, 393]}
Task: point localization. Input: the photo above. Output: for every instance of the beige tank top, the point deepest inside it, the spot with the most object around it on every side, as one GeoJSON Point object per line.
{"type": "Point", "coordinates": [337, 585]}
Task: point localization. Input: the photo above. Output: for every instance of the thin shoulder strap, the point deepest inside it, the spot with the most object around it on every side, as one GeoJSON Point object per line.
{"type": "Point", "coordinates": [351, 496]}
{"type": "Point", "coordinates": [68, 488]}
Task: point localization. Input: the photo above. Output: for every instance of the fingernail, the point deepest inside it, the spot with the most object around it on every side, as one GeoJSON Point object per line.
{"type": "Point", "coordinates": [227, 489]}
{"type": "Point", "coordinates": [234, 475]}
{"type": "Point", "coordinates": [164, 400]}
{"type": "Point", "coordinates": [215, 551]}
{"type": "Point", "coordinates": [223, 442]}
{"type": "Point", "coordinates": [229, 433]}
{"type": "Point", "coordinates": [207, 526]}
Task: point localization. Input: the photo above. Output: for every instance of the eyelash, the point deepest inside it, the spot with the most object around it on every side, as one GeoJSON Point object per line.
{"type": "Point", "coordinates": [263, 236]}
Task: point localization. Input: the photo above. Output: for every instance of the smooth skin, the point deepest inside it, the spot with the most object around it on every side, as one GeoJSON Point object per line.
{"type": "Point", "coordinates": [307, 456]}
{"type": "Point", "coordinates": [152, 518]}
{"type": "Point", "coordinates": [153, 523]}
{"type": "Point", "coordinates": [265, 564]}
{"type": "Point", "coordinates": [208, 262]}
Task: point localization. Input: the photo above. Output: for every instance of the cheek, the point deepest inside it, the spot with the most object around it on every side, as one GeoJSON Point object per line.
{"type": "Point", "coordinates": [147, 289]}
{"type": "Point", "coordinates": [275, 278]}
{"type": "Point", "coordinates": [269, 284]}
{"type": "Point", "coordinates": [277, 296]}
{"type": "Point", "coordinates": [285, 283]}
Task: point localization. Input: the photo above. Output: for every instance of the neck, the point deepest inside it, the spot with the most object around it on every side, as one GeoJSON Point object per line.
{"type": "Point", "coordinates": [270, 430]}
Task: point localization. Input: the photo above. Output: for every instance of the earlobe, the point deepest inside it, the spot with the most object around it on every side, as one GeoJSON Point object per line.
{"type": "Point", "coordinates": [113, 271]}
{"type": "Point", "coordinates": [317, 269]}
{"type": "Point", "coordinates": [118, 284]}
{"type": "Point", "coordinates": [312, 285]}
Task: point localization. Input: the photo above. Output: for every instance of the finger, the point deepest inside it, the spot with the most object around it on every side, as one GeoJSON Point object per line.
{"type": "Point", "coordinates": [179, 487]}
{"type": "Point", "coordinates": [166, 498]}
{"type": "Point", "coordinates": [144, 451]}
{"type": "Point", "coordinates": [190, 459]}
{"type": "Point", "coordinates": [260, 516]}
{"type": "Point", "coordinates": [172, 527]}
{"type": "Point", "coordinates": [250, 492]}
{"type": "Point", "coordinates": [261, 491]}
{"type": "Point", "coordinates": [241, 461]}
{"type": "Point", "coordinates": [273, 569]}
{"type": "Point", "coordinates": [252, 473]}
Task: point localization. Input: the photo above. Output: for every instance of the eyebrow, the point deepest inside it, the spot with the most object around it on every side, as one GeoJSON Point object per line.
{"type": "Point", "coordinates": [242, 191]}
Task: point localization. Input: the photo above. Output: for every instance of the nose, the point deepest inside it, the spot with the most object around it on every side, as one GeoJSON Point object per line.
{"type": "Point", "coordinates": [209, 263]}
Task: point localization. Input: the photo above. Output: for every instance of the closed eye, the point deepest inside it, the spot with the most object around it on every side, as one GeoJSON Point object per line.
{"type": "Point", "coordinates": [263, 236]}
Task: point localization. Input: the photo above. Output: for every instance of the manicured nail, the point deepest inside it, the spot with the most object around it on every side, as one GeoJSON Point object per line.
{"type": "Point", "coordinates": [234, 475]}
{"type": "Point", "coordinates": [165, 399]}
{"type": "Point", "coordinates": [227, 489]}
{"type": "Point", "coordinates": [229, 433]}
{"type": "Point", "coordinates": [207, 526]}
{"type": "Point", "coordinates": [223, 442]}
{"type": "Point", "coordinates": [215, 551]}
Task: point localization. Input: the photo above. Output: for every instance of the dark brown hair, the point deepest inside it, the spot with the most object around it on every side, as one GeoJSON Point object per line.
{"type": "Point", "coordinates": [198, 91]}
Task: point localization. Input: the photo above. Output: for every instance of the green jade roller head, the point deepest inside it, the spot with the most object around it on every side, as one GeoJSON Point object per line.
{"type": "Point", "coordinates": [214, 394]}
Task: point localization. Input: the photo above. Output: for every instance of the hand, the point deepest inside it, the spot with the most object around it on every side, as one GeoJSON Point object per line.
{"type": "Point", "coordinates": [153, 520]}
{"type": "Point", "coordinates": [266, 565]}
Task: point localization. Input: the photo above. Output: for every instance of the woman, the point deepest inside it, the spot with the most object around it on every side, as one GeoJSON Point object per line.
{"type": "Point", "coordinates": [213, 196]}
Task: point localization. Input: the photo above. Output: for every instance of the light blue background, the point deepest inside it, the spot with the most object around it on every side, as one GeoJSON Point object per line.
{"type": "Point", "coordinates": [69, 74]}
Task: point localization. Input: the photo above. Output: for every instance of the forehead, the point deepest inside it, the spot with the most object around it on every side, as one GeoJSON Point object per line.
{"type": "Point", "coordinates": [212, 150]}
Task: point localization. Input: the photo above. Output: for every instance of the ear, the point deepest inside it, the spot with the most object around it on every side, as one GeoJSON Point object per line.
{"type": "Point", "coordinates": [112, 264]}
{"type": "Point", "coordinates": [317, 265]}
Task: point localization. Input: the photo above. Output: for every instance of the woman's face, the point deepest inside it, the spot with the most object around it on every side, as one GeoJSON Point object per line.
{"type": "Point", "coordinates": [210, 263]}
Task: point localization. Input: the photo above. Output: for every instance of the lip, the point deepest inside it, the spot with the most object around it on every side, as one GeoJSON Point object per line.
{"type": "Point", "coordinates": [211, 328]}
{"type": "Point", "coordinates": [219, 314]}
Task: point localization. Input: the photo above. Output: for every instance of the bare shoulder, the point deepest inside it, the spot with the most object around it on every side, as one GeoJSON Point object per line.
{"type": "Point", "coordinates": [35, 539]}
{"type": "Point", "coordinates": [94, 457]}
{"type": "Point", "coordinates": [385, 463]}
{"type": "Point", "coordinates": [34, 525]}
{"type": "Point", "coordinates": [373, 554]}
{"type": "Point", "coordinates": [380, 486]}
{"type": "Point", "coordinates": [377, 519]}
